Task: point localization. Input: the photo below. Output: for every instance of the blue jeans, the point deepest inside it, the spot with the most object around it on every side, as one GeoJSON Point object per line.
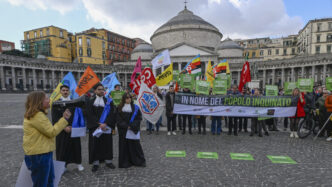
{"type": "Point", "coordinates": [216, 121]}
{"type": "Point", "coordinates": [150, 125]}
{"type": "Point", "coordinates": [42, 169]}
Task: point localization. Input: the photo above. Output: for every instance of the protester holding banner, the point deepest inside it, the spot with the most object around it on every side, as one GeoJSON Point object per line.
{"type": "Point", "coordinates": [100, 148]}
{"type": "Point", "coordinates": [39, 138]}
{"type": "Point", "coordinates": [67, 149]}
{"type": "Point", "coordinates": [186, 117]}
{"type": "Point", "coordinates": [128, 122]}
{"type": "Point", "coordinates": [243, 121]}
{"type": "Point", "coordinates": [216, 122]}
{"type": "Point", "coordinates": [233, 121]}
{"type": "Point", "coordinates": [294, 121]}
{"type": "Point", "coordinates": [171, 118]}
{"type": "Point", "coordinates": [256, 125]}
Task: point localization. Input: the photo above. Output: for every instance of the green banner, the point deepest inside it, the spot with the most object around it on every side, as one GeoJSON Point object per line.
{"type": "Point", "coordinates": [271, 90]}
{"type": "Point", "coordinates": [241, 156]}
{"type": "Point", "coordinates": [212, 155]}
{"type": "Point", "coordinates": [202, 87]}
{"type": "Point", "coordinates": [289, 87]}
{"type": "Point", "coordinates": [281, 159]}
{"type": "Point", "coordinates": [187, 81]}
{"type": "Point", "coordinates": [328, 83]}
{"type": "Point", "coordinates": [305, 85]}
{"type": "Point", "coordinates": [175, 154]}
{"type": "Point", "coordinates": [220, 86]}
{"type": "Point", "coordinates": [224, 76]}
{"type": "Point", "coordinates": [176, 75]}
{"type": "Point", "coordinates": [116, 97]}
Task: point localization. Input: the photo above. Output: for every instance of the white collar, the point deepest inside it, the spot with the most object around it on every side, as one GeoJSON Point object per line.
{"type": "Point", "coordinates": [65, 98]}
{"type": "Point", "coordinates": [99, 101]}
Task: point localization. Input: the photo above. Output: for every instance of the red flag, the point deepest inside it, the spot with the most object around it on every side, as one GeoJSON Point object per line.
{"type": "Point", "coordinates": [147, 77]}
{"type": "Point", "coordinates": [137, 69]}
{"type": "Point", "coordinates": [245, 75]}
{"type": "Point", "coordinates": [87, 81]}
{"type": "Point", "coordinates": [176, 87]}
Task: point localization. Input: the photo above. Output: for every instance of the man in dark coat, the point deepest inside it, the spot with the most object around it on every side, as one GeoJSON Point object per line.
{"type": "Point", "coordinates": [67, 149]}
{"type": "Point", "coordinates": [186, 117]}
{"type": "Point", "coordinates": [100, 148]}
{"type": "Point", "coordinates": [171, 118]}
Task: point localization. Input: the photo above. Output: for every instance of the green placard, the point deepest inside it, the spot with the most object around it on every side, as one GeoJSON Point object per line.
{"type": "Point", "coordinates": [281, 159]}
{"type": "Point", "coordinates": [220, 86]}
{"type": "Point", "coordinates": [225, 76]}
{"type": "Point", "coordinates": [229, 79]}
{"type": "Point", "coordinates": [211, 155]}
{"type": "Point", "coordinates": [202, 87]}
{"type": "Point", "coordinates": [328, 83]}
{"type": "Point", "coordinates": [187, 81]}
{"type": "Point", "coordinates": [289, 87]}
{"type": "Point", "coordinates": [175, 154]}
{"type": "Point", "coordinates": [241, 156]}
{"type": "Point", "coordinates": [116, 97]}
{"type": "Point", "coordinates": [176, 75]}
{"type": "Point", "coordinates": [305, 85]}
{"type": "Point", "coordinates": [271, 90]}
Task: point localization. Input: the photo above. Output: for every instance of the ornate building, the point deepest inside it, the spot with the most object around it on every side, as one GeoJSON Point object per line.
{"type": "Point", "coordinates": [185, 36]}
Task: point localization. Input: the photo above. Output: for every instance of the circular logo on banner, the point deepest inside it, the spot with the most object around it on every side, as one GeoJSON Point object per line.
{"type": "Point", "coordinates": [148, 102]}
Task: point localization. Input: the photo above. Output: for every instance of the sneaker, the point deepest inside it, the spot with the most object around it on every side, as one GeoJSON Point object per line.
{"type": "Point", "coordinates": [173, 133]}
{"type": "Point", "coordinates": [94, 168]}
{"type": "Point", "coordinates": [329, 139]}
{"type": "Point", "coordinates": [169, 133]}
{"type": "Point", "coordinates": [296, 135]}
{"type": "Point", "coordinates": [80, 167]}
{"type": "Point", "coordinates": [110, 165]}
{"type": "Point", "coordinates": [291, 135]}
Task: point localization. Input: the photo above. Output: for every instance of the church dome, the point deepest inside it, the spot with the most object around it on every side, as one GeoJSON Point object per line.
{"type": "Point", "coordinates": [143, 50]}
{"type": "Point", "coordinates": [229, 49]}
{"type": "Point", "coordinates": [229, 44]}
{"type": "Point", "coordinates": [186, 27]}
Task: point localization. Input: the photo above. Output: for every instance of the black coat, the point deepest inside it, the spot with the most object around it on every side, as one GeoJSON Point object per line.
{"type": "Point", "coordinates": [169, 105]}
{"type": "Point", "coordinates": [123, 119]}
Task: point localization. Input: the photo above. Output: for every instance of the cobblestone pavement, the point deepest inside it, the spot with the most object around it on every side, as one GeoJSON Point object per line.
{"type": "Point", "coordinates": [313, 168]}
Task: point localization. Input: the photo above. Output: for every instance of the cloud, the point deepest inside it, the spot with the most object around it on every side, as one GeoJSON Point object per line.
{"type": "Point", "coordinates": [62, 6]}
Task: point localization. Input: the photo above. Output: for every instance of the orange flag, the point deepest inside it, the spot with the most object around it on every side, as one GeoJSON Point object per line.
{"type": "Point", "coordinates": [87, 81]}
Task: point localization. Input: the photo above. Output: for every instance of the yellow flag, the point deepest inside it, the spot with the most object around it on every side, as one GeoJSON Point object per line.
{"type": "Point", "coordinates": [209, 74]}
{"type": "Point", "coordinates": [55, 94]}
{"type": "Point", "coordinates": [165, 77]}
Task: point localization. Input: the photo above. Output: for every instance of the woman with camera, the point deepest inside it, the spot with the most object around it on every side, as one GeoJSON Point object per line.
{"type": "Point", "coordinates": [39, 138]}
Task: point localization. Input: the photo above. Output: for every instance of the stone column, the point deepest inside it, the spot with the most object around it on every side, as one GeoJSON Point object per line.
{"type": "Point", "coordinates": [313, 72]}
{"type": "Point", "coordinates": [273, 76]}
{"type": "Point", "coordinates": [324, 73]}
{"type": "Point", "coordinates": [264, 78]}
{"type": "Point", "coordinates": [292, 75]}
{"type": "Point", "coordinates": [125, 78]}
{"type": "Point", "coordinates": [34, 78]}
{"type": "Point", "coordinates": [53, 80]}
{"type": "Point", "coordinates": [238, 77]}
{"type": "Point", "coordinates": [24, 79]}
{"type": "Point", "coordinates": [44, 79]}
{"type": "Point", "coordinates": [13, 79]}
{"type": "Point", "coordinates": [179, 65]}
{"type": "Point", "coordinates": [302, 72]}
{"type": "Point", "coordinates": [2, 77]}
{"type": "Point", "coordinates": [61, 74]}
{"type": "Point", "coordinates": [282, 76]}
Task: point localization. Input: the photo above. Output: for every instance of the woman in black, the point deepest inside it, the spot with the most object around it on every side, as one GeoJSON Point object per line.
{"type": "Point", "coordinates": [128, 121]}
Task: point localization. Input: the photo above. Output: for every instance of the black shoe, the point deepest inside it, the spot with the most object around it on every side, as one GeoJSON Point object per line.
{"type": "Point", "coordinates": [110, 165]}
{"type": "Point", "coordinates": [245, 130]}
{"type": "Point", "coordinates": [143, 165]}
{"type": "Point", "coordinates": [190, 133]}
{"type": "Point", "coordinates": [183, 132]}
{"type": "Point", "coordinates": [251, 134]}
{"type": "Point", "coordinates": [94, 168]}
{"type": "Point", "coordinates": [199, 132]}
{"type": "Point", "coordinates": [240, 130]}
{"type": "Point", "coordinates": [260, 135]}
{"type": "Point", "coordinates": [266, 133]}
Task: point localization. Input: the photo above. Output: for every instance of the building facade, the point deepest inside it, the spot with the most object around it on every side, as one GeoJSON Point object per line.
{"type": "Point", "coordinates": [6, 46]}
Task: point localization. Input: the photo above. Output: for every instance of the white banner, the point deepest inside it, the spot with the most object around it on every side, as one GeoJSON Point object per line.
{"type": "Point", "coordinates": [163, 59]}
{"type": "Point", "coordinates": [151, 106]}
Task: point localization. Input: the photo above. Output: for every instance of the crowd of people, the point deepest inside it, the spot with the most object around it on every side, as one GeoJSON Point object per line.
{"type": "Point", "coordinates": [42, 137]}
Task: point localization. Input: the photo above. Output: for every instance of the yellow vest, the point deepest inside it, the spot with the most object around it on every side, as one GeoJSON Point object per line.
{"type": "Point", "coordinates": [39, 134]}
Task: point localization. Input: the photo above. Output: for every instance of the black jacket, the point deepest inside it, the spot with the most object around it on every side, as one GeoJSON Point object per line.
{"type": "Point", "coordinates": [123, 119]}
{"type": "Point", "coordinates": [169, 105]}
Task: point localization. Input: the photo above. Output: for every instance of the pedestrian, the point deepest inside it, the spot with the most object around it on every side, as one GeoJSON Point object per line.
{"type": "Point", "coordinates": [100, 148]}
{"type": "Point", "coordinates": [256, 124]}
{"type": "Point", "coordinates": [328, 105]}
{"type": "Point", "coordinates": [233, 121]}
{"type": "Point", "coordinates": [68, 149]}
{"type": "Point", "coordinates": [39, 138]}
{"type": "Point", "coordinates": [171, 117]}
{"type": "Point", "coordinates": [186, 117]}
{"type": "Point", "coordinates": [128, 120]}
{"type": "Point", "coordinates": [294, 121]}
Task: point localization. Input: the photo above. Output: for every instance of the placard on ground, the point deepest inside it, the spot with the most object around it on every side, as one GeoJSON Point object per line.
{"type": "Point", "coordinates": [281, 159]}
{"type": "Point", "coordinates": [175, 154]}
{"type": "Point", "coordinates": [241, 156]}
{"type": "Point", "coordinates": [211, 155]}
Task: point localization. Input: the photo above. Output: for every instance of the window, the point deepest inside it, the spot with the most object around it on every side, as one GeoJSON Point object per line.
{"type": "Point", "coordinates": [328, 49]}
{"type": "Point", "coordinates": [330, 25]}
{"type": "Point", "coordinates": [103, 45]}
{"type": "Point", "coordinates": [41, 33]}
{"type": "Point", "coordinates": [261, 53]}
{"type": "Point", "coordinates": [47, 31]}
{"type": "Point", "coordinates": [27, 36]}
{"type": "Point", "coordinates": [329, 38]}
{"type": "Point", "coordinates": [89, 52]}
{"type": "Point", "coordinates": [61, 33]}
{"type": "Point", "coordinates": [123, 42]}
{"type": "Point", "coordinates": [80, 41]}
{"type": "Point", "coordinates": [318, 38]}
{"type": "Point", "coordinates": [293, 51]}
{"type": "Point", "coordinates": [80, 51]}
{"type": "Point", "coordinates": [285, 51]}
{"type": "Point", "coordinates": [253, 54]}
{"type": "Point", "coordinates": [319, 26]}
{"type": "Point", "coordinates": [35, 34]}
{"type": "Point", "coordinates": [317, 49]}
{"type": "Point", "coordinates": [104, 55]}
{"type": "Point", "coordinates": [88, 42]}
{"type": "Point", "coordinates": [277, 51]}
{"type": "Point", "coordinates": [269, 52]}
{"type": "Point", "coordinates": [81, 60]}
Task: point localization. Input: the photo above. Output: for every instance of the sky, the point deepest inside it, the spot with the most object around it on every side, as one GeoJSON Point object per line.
{"type": "Point", "coordinates": [237, 19]}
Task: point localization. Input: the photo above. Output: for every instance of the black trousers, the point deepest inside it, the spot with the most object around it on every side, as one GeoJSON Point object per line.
{"type": "Point", "coordinates": [285, 123]}
{"type": "Point", "coordinates": [232, 125]}
{"type": "Point", "coordinates": [256, 126]}
{"type": "Point", "coordinates": [184, 120]}
{"type": "Point", "coordinates": [179, 122]}
{"type": "Point", "coordinates": [243, 122]}
{"type": "Point", "coordinates": [202, 123]}
{"type": "Point", "coordinates": [172, 120]}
